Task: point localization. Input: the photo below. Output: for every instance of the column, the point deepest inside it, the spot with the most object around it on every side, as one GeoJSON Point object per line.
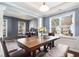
{"type": "Point", "coordinates": [40, 24]}
{"type": "Point", "coordinates": [50, 27]}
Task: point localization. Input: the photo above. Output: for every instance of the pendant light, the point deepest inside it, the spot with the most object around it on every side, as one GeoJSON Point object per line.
{"type": "Point", "coordinates": [44, 7]}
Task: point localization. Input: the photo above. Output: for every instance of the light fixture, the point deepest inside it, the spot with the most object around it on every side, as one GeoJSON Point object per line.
{"type": "Point", "coordinates": [44, 7]}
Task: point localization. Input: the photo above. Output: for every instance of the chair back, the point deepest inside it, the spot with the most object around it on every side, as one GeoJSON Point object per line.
{"type": "Point", "coordinates": [51, 34]}
{"type": "Point", "coordinates": [6, 54]}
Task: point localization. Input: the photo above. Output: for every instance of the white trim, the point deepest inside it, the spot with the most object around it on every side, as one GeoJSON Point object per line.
{"type": "Point", "coordinates": [26, 12]}
{"type": "Point", "coordinates": [2, 7]}
{"type": "Point", "coordinates": [6, 25]}
{"type": "Point", "coordinates": [40, 24]}
{"type": "Point", "coordinates": [50, 25]}
{"type": "Point", "coordinates": [73, 20]}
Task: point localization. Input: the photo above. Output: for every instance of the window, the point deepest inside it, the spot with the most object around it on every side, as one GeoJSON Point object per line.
{"type": "Point", "coordinates": [21, 27]}
{"type": "Point", "coordinates": [63, 24]}
{"type": "Point", "coordinates": [66, 25]}
{"type": "Point", "coordinates": [55, 25]}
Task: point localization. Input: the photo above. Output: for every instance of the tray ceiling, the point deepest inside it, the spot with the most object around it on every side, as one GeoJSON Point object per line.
{"type": "Point", "coordinates": [30, 10]}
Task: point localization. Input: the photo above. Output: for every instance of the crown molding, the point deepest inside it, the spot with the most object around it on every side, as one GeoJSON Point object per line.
{"type": "Point", "coordinates": [2, 7]}
{"type": "Point", "coordinates": [24, 11]}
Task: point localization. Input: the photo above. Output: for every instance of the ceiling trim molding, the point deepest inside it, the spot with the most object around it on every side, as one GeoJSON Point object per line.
{"type": "Point", "coordinates": [26, 12]}
{"type": "Point", "coordinates": [58, 5]}
{"type": "Point", "coordinates": [2, 7]}
{"type": "Point", "coordinates": [68, 10]}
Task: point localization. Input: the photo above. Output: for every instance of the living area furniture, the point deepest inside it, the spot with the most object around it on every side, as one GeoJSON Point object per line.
{"type": "Point", "coordinates": [58, 51]}
{"type": "Point", "coordinates": [31, 44]}
{"type": "Point", "coordinates": [12, 53]}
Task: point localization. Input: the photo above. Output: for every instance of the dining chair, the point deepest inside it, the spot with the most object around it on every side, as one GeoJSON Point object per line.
{"type": "Point", "coordinates": [50, 44]}
{"type": "Point", "coordinates": [59, 51]}
{"type": "Point", "coordinates": [51, 34]}
{"type": "Point", "coordinates": [12, 53]}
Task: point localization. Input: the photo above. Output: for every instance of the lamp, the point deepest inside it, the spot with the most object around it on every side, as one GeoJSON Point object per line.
{"type": "Point", "coordinates": [44, 7]}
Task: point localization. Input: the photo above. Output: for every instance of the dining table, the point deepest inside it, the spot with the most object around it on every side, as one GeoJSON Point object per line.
{"type": "Point", "coordinates": [31, 44]}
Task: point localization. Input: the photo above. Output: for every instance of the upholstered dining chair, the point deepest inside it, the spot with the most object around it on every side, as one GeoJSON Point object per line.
{"type": "Point", "coordinates": [51, 44]}
{"type": "Point", "coordinates": [12, 53]}
{"type": "Point", "coordinates": [59, 51]}
{"type": "Point", "coordinates": [51, 34]}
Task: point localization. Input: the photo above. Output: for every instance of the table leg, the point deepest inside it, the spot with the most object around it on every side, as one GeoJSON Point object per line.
{"type": "Point", "coordinates": [39, 49]}
{"type": "Point", "coordinates": [34, 53]}
{"type": "Point", "coordinates": [45, 49]}
{"type": "Point", "coordinates": [52, 43]}
{"type": "Point", "coordinates": [29, 54]}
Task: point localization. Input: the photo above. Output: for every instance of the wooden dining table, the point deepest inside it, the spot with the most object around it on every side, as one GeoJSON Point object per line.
{"type": "Point", "coordinates": [31, 44]}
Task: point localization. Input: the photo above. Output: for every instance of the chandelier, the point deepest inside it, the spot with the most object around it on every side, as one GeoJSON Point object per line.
{"type": "Point", "coordinates": [44, 7]}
